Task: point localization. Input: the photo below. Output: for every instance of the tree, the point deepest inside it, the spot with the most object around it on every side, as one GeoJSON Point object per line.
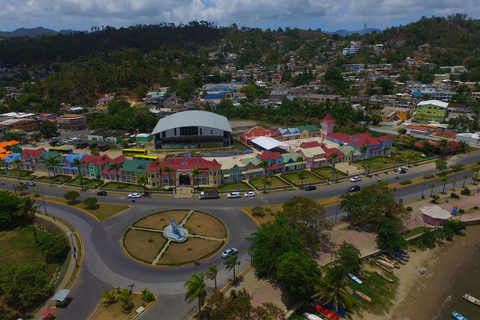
{"type": "Point", "coordinates": [168, 170]}
{"type": "Point", "coordinates": [48, 129]}
{"type": "Point", "coordinates": [265, 164]}
{"type": "Point", "coordinates": [331, 288]}
{"type": "Point", "coordinates": [8, 208]}
{"type": "Point", "coordinates": [24, 286]}
{"type": "Point", "coordinates": [51, 162]}
{"type": "Point", "coordinates": [363, 150]}
{"type": "Point", "coordinates": [195, 173]}
{"type": "Point", "coordinates": [431, 185]}
{"type": "Point", "coordinates": [402, 132]}
{"type": "Point", "coordinates": [196, 288]}
{"type": "Point", "coordinates": [453, 181]}
{"type": "Point", "coordinates": [77, 162]}
{"type": "Point", "coordinates": [301, 174]}
{"type": "Point", "coordinates": [17, 163]}
{"type": "Point", "coordinates": [443, 147]}
{"type": "Point", "coordinates": [365, 206]}
{"type": "Point", "coordinates": [90, 202]}
{"type": "Point", "coordinates": [231, 263]}
{"type": "Point", "coordinates": [427, 147]}
{"type": "Point", "coordinates": [80, 176]}
{"type": "Point", "coordinates": [444, 180]}
{"type": "Point", "coordinates": [388, 238]}
{"type": "Point", "coordinates": [385, 150]}
{"type": "Point", "coordinates": [349, 256]}
{"type": "Point", "coordinates": [296, 275]}
{"type": "Point", "coordinates": [212, 274]}
{"type": "Point", "coordinates": [71, 197]}
{"type": "Point", "coordinates": [440, 164]}
{"type": "Point", "coordinates": [109, 297]}
{"type": "Point", "coordinates": [94, 152]}
{"type": "Point", "coordinates": [143, 180]}
{"type": "Point", "coordinates": [464, 146]}
{"type": "Point", "coordinates": [127, 298]}
{"type": "Point", "coordinates": [116, 166]}
{"type": "Point", "coordinates": [464, 177]}
{"type": "Point", "coordinates": [309, 218]}
{"type": "Point", "coordinates": [27, 210]}
{"type": "Point", "coordinates": [333, 157]}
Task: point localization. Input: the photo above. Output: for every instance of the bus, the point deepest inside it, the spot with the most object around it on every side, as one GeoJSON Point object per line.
{"type": "Point", "coordinates": [133, 152]}
{"type": "Point", "coordinates": [141, 156]}
{"type": "Point", "coordinates": [61, 150]}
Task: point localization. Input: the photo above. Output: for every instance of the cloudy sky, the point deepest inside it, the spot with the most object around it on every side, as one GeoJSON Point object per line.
{"type": "Point", "coordinates": [329, 15]}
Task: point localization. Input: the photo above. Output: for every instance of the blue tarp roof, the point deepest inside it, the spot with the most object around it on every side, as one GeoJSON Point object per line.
{"type": "Point", "coordinates": [61, 295]}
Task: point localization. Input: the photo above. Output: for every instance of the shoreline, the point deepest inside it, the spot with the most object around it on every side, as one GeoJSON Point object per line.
{"type": "Point", "coordinates": [424, 296]}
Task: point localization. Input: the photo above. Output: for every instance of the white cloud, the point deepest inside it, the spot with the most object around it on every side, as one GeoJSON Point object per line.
{"type": "Point", "coordinates": [73, 13]}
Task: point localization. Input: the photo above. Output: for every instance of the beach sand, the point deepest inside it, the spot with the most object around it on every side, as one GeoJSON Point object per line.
{"type": "Point", "coordinates": [422, 296]}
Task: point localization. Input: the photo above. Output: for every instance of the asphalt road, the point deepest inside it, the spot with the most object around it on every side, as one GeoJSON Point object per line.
{"type": "Point", "coordinates": [105, 265]}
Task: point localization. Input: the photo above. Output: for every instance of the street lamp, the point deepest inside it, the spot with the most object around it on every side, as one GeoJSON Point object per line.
{"type": "Point", "coordinates": [395, 160]}
{"type": "Point", "coordinates": [251, 248]}
{"type": "Point", "coordinates": [336, 210]}
{"type": "Point", "coordinates": [43, 200]}
{"type": "Point", "coordinates": [424, 183]}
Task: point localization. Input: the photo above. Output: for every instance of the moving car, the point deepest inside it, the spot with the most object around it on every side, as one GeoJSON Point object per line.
{"type": "Point", "coordinates": [356, 179]}
{"type": "Point", "coordinates": [102, 193]}
{"type": "Point", "coordinates": [229, 252]}
{"type": "Point", "coordinates": [354, 188]}
{"type": "Point", "coordinates": [310, 188]}
{"type": "Point", "coordinates": [134, 195]}
{"type": "Point", "coordinates": [249, 194]}
{"type": "Point", "coordinates": [234, 195]}
{"type": "Point", "coordinates": [403, 169]}
{"type": "Point", "coordinates": [30, 183]}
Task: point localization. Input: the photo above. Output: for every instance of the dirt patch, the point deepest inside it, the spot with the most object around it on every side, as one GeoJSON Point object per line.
{"type": "Point", "coordinates": [161, 220]}
{"type": "Point", "coordinates": [190, 250]}
{"type": "Point", "coordinates": [205, 225]}
{"type": "Point", "coordinates": [139, 245]}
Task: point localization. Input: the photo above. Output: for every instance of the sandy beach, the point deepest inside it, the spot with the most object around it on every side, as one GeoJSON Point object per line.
{"type": "Point", "coordinates": [422, 296]}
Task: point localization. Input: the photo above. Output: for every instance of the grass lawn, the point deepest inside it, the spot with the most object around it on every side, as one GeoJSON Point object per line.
{"type": "Point", "coordinates": [377, 163]}
{"type": "Point", "coordinates": [234, 186]}
{"type": "Point", "coordinates": [144, 245]}
{"type": "Point", "coordinates": [114, 310]}
{"type": "Point", "coordinates": [160, 220]}
{"type": "Point", "coordinates": [205, 225]}
{"type": "Point", "coordinates": [123, 186]}
{"type": "Point", "coordinates": [258, 183]}
{"type": "Point", "coordinates": [87, 183]}
{"type": "Point", "coordinates": [190, 250]}
{"type": "Point", "coordinates": [16, 173]}
{"type": "Point", "coordinates": [413, 232]}
{"type": "Point", "coordinates": [295, 177]}
{"type": "Point", "coordinates": [326, 172]}
{"type": "Point", "coordinates": [102, 211]}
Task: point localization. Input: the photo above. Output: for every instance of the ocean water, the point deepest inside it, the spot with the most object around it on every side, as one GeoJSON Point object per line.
{"type": "Point", "coordinates": [466, 280]}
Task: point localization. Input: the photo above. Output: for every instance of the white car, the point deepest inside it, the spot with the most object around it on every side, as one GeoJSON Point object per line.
{"type": "Point", "coordinates": [30, 183]}
{"type": "Point", "coordinates": [134, 195]}
{"type": "Point", "coordinates": [234, 195]}
{"type": "Point", "coordinates": [229, 252]}
{"type": "Point", "coordinates": [356, 179]}
{"type": "Point", "coordinates": [249, 194]}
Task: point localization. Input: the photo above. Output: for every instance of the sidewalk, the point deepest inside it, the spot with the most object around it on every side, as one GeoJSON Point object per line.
{"type": "Point", "coordinates": [68, 270]}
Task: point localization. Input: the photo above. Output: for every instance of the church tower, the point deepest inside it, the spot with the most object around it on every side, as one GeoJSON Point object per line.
{"type": "Point", "coordinates": [327, 125]}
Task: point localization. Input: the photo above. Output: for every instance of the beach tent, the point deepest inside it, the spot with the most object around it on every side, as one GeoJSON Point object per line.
{"type": "Point", "coordinates": [435, 215]}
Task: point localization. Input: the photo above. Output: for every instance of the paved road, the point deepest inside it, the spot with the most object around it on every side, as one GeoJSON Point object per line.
{"type": "Point", "coordinates": [105, 265]}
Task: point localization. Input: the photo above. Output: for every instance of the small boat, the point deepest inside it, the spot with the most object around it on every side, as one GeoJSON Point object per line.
{"type": "Point", "coordinates": [458, 316]}
{"type": "Point", "coordinates": [384, 277]}
{"type": "Point", "coordinates": [324, 311]}
{"type": "Point", "coordinates": [354, 278]}
{"type": "Point", "coordinates": [402, 256]}
{"type": "Point", "coordinates": [310, 316]}
{"type": "Point", "coordinates": [392, 261]}
{"type": "Point", "coordinates": [471, 299]}
{"type": "Point", "coordinates": [398, 259]}
{"type": "Point", "coordinates": [386, 264]}
{"type": "Point", "coordinates": [359, 276]}
{"type": "Point", "coordinates": [381, 266]}
{"type": "Point", "coordinates": [362, 295]}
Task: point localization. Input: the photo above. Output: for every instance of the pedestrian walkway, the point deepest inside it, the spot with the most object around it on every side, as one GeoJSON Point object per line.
{"type": "Point", "coordinates": [68, 270]}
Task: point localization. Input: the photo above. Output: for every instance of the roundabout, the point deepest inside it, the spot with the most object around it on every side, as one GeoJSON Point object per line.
{"type": "Point", "coordinates": [174, 237]}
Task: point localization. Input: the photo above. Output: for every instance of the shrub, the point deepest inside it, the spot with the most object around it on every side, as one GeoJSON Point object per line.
{"type": "Point", "coordinates": [429, 239]}
{"type": "Point", "coordinates": [457, 167]}
{"type": "Point", "coordinates": [454, 195]}
{"type": "Point", "coordinates": [258, 212]}
{"type": "Point", "coordinates": [55, 248]}
{"type": "Point", "coordinates": [462, 211]}
{"type": "Point", "coordinates": [476, 207]}
{"type": "Point", "coordinates": [430, 176]}
{"type": "Point", "coordinates": [455, 225]}
{"type": "Point", "coordinates": [404, 182]}
{"type": "Point", "coordinates": [465, 192]}
{"type": "Point", "coordinates": [435, 197]}
{"type": "Point", "coordinates": [409, 208]}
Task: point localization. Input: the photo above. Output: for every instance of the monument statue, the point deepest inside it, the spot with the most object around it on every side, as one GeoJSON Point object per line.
{"type": "Point", "coordinates": [175, 231]}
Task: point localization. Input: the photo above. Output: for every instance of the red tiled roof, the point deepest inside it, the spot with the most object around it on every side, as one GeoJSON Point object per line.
{"type": "Point", "coordinates": [119, 159]}
{"type": "Point", "coordinates": [187, 164]}
{"type": "Point", "coordinates": [418, 128]}
{"type": "Point", "coordinates": [35, 153]}
{"type": "Point", "coordinates": [329, 151]}
{"type": "Point", "coordinates": [384, 139]}
{"type": "Point", "coordinates": [95, 160]}
{"type": "Point", "coordinates": [310, 144]}
{"type": "Point", "coordinates": [269, 155]}
{"type": "Point", "coordinates": [276, 166]}
{"type": "Point", "coordinates": [328, 118]}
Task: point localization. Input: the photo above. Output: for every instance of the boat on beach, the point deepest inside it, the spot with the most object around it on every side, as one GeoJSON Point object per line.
{"type": "Point", "coordinates": [310, 316]}
{"type": "Point", "coordinates": [359, 276]}
{"type": "Point", "coordinates": [381, 266]}
{"type": "Point", "coordinates": [384, 277]}
{"type": "Point", "coordinates": [458, 316]}
{"type": "Point", "coordinates": [362, 295]}
{"type": "Point", "coordinates": [386, 264]}
{"type": "Point", "coordinates": [471, 299]}
{"type": "Point", "coordinates": [354, 278]}
{"type": "Point", "coordinates": [324, 311]}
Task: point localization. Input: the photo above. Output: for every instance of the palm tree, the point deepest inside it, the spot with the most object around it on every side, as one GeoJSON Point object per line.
{"type": "Point", "coordinates": [196, 288]}
{"type": "Point", "coordinates": [411, 143]}
{"type": "Point", "coordinates": [51, 163]}
{"type": "Point", "coordinates": [363, 149]}
{"type": "Point", "coordinates": [431, 185]}
{"type": "Point", "coordinates": [415, 157]}
{"type": "Point", "coordinates": [443, 146]}
{"type": "Point", "coordinates": [402, 132]}
{"type": "Point", "coordinates": [231, 263]}
{"type": "Point", "coordinates": [332, 288]}
{"type": "Point", "coordinates": [444, 180]}
{"type": "Point", "coordinates": [333, 157]}
{"type": "Point", "coordinates": [77, 162]}
{"type": "Point", "coordinates": [301, 173]}
{"type": "Point", "coordinates": [265, 164]}
{"type": "Point", "coordinates": [465, 147]}
{"type": "Point", "coordinates": [385, 150]}
{"type": "Point", "coordinates": [195, 173]}
{"type": "Point", "coordinates": [17, 163]}
{"type": "Point", "coordinates": [116, 166]}
{"type": "Point", "coordinates": [143, 180]}
{"type": "Point", "coordinates": [109, 297]}
{"type": "Point", "coordinates": [464, 177]}
{"type": "Point", "coordinates": [126, 298]}
{"type": "Point", "coordinates": [80, 177]}
{"type": "Point", "coordinates": [27, 209]}
{"type": "Point", "coordinates": [454, 181]}
{"type": "Point", "coordinates": [212, 274]}
{"type": "Point", "coordinates": [168, 170]}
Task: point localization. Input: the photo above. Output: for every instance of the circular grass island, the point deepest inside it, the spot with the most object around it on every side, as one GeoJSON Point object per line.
{"type": "Point", "coordinates": [146, 239]}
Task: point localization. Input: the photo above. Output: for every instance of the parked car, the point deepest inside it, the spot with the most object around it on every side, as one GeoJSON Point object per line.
{"type": "Point", "coordinates": [234, 195]}
{"type": "Point", "coordinates": [102, 193]}
{"type": "Point", "coordinates": [354, 188]}
{"type": "Point", "coordinates": [356, 179]}
{"type": "Point", "coordinates": [134, 195]}
{"type": "Point", "coordinates": [310, 188]}
{"type": "Point", "coordinates": [403, 169]}
{"type": "Point", "coordinates": [30, 183]}
{"type": "Point", "coordinates": [229, 252]}
{"type": "Point", "coordinates": [249, 194]}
